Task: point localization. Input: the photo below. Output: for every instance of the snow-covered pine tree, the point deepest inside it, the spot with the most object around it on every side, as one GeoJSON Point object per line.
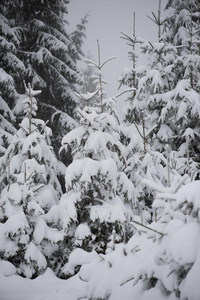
{"type": "Point", "coordinates": [29, 171]}
{"type": "Point", "coordinates": [87, 78]}
{"type": "Point", "coordinates": [11, 67]}
{"type": "Point", "coordinates": [162, 110]}
{"type": "Point", "coordinates": [6, 123]}
{"type": "Point", "coordinates": [98, 79]}
{"type": "Point", "coordinates": [185, 100]}
{"type": "Point", "coordinates": [97, 207]}
{"type": "Point", "coordinates": [145, 135]}
{"type": "Point", "coordinates": [50, 56]}
{"type": "Point", "coordinates": [77, 37]}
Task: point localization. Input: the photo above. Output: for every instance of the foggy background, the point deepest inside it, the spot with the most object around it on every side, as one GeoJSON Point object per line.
{"type": "Point", "coordinates": [107, 19]}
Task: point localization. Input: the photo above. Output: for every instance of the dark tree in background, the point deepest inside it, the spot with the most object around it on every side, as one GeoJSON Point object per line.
{"type": "Point", "coordinates": [11, 68]}
{"type": "Point", "coordinates": [47, 57]}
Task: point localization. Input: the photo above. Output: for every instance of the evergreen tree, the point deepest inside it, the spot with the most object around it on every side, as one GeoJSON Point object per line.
{"type": "Point", "coordinates": [6, 123]}
{"type": "Point", "coordinates": [98, 204]}
{"type": "Point", "coordinates": [184, 26]}
{"type": "Point", "coordinates": [145, 133]}
{"type": "Point", "coordinates": [50, 56]}
{"type": "Point", "coordinates": [77, 37]}
{"type": "Point", "coordinates": [11, 67]}
{"type": "Point", "coordinates": [165, 111]}
{"type": "Point", "coordinates": [88, 77]}
{"type": "Point", "coordinates": [96, 185]}
{"type": "Point", "coordinates": [29, 176]}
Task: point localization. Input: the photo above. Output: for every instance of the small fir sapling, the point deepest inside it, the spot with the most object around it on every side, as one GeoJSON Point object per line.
{"type": "Point", "coordinates": [88, 75]}
{"type": "Point", "coordinates": [99, 195]}
{"type": "Point", "coordinates": [28, 170]}
{"type": "Point", "coordinates": [108, 104]}
{"type": "Point", "coordinates": [98, 79]}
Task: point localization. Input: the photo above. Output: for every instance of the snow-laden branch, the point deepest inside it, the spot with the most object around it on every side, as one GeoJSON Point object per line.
{"type": "Point", "coordinates": [99, 66]}
{"type": "Point", "coordinates": [163, 190]}
{"type": "Point", "coordinates": [162, 234]}
{"type": "Point", "coordinates": [123, 92]}
{"type": "Point", "coordinates": [135, 40]}
{"type": "Point", "coordinates": [92, 63]}
{"type": "Point", "coordinates": [30, 91]}
{"type": "Point", "coordinates": [148, 132]}
{"type": "Point", "coordinates": [107, 60]}
{"type": "Point", "coordinates": [153, 185]}
{"type": "Point", "coordinates": [87, 96]}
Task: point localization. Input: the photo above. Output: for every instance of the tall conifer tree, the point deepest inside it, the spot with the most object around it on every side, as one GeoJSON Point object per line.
{"type": "Point", "coordinates": [49, 54]}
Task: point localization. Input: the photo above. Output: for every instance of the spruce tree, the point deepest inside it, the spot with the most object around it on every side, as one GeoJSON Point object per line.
{"type": "Point", "coordinates": [50, 56]}
{"type": "Point", "coordinates": [164, 111]}
{"type": "Point", "coordinates": [11, 67]}
{"type": "Point", "coordinates": [145, 133]}
{"type": "Point", "coordinates": [184, 26]}
{"type": "Point", "coordinates": [7, 130]}
{"type": "Point", "coordinates": [98, 204]}
{"type": "Point", "coordinates": [29, 171]}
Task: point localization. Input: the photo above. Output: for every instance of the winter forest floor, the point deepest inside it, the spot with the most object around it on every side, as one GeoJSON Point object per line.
{"type": "Point", "coordinates": [159, 263]}
{"type": "Point", "coordinates": [47, 286]}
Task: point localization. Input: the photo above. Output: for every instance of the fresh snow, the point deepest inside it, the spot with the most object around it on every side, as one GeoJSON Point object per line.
{"type": "Point", "coordinates": [127, 200]}
{"type": "Point", "coordinates": [124, 270]}
{"type": "Point", "coordinates": [47, 286]}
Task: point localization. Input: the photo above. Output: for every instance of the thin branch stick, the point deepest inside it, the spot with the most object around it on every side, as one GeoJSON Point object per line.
{"type": "Point", "coordinates": [188, 155]}
{"type": "Point", "coordinates": [42, 185]}
{"type": "Point", "coordinates": [31, 104]}
{"type": "Point", "coordinates": [159, 21]}
{"type": "Point", "coordinates": [30, 175]}
{"type": "Point", "coordinates": [168, 169]}
{"type": "Point", "coordinates": [90, 62]}
{"type": "Point", "coordinates": [144, 135]}
{"type": "Point", "coordinates": [138, 129]}
{"type": "Point", "coordinates": [148, 133]}
{"type": "Point", "coordinates": [23, 128]}
{"type": "Point", "coordinates": [45, 124]}
{"type": "Point", "coordinates": [24, 172]}
{"type": "Point", "coordinates": [176, 188]}
{"type": "Point", "coordinates": [79, 114]}
{"type": "Point", "coordinates": [132, 278]}
{"type": "Point", "coordinates": [100, 77]}
{"type": "Point", "coordinates": [126, 91]}
{"type": "Point", "coordinates": [107, 60]}
{"type": "Point", "coordinates": [81, 97]}
{"type": "Point", "coordinates": [162, 234]}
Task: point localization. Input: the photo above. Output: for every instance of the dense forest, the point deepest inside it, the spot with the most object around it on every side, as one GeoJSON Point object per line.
{"type": "Point", "coordinates": [108, 208]}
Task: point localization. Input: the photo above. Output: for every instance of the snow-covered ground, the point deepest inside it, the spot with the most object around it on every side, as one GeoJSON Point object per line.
{"type": "Point", "coordinates": [161, 261]}
{"type": "Point", "coordinates": [47, 286]}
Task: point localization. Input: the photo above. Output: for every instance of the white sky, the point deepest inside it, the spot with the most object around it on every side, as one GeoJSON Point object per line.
{"type": "Point", "coordinates": [108, 18]}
